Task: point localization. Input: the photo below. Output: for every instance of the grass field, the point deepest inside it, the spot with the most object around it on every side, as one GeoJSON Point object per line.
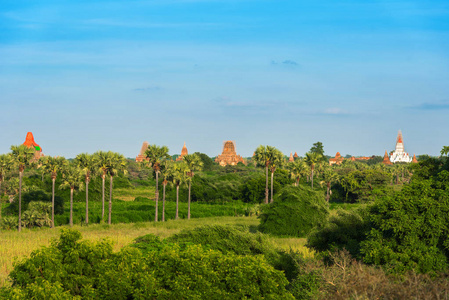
{"type": "Point", "coordinates": [14, 245]}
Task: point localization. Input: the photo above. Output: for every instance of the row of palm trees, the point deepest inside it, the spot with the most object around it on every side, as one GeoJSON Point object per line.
{"type": "Point", "coordinates": [73, 174]}
{"type": "Point", "coordinates": [172, 172]}
{"type": "Point", "coordinates": [271, 158]}
{"type": "Point", "coordinates": [314, 164]}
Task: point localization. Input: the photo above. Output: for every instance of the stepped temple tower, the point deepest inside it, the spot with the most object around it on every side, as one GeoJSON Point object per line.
{"type": "Point", "coordinates": [295, 156]}
{"type": "Point", "coordinates": [399, 155]}
{"type": "Point", "coordinates": [229, 156]}
{"type": "Point", "coordinates": [184, 152]}
{"type": "Point", "coordinates": [414, 160]}
{"type": "Point", "coordinates": [291, 159]}
{"type": "Point", "coordinates": [386, 159]}
{"type": "Point", "coordinates": [29, 142]}
{"type": "Point", "coordinates": [141, 157]}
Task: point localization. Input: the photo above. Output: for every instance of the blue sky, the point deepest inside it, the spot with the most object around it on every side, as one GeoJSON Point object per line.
{"type": "Point", "coordinates": [107, 75]}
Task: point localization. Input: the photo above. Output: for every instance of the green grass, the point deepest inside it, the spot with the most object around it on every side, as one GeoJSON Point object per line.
{"type": "Point", "coordinates": [143, 209]}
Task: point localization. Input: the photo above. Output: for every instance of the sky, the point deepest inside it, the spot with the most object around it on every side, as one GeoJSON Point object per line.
{"type": "Point", "coordinates": [92, 75]}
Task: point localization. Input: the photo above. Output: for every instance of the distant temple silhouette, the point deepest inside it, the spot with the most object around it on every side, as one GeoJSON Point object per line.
{"type": "Point", "coordinates": [30, 143]}
{"type": "Point", "coordinates": [399, 154]}
{"type": "Point", "coordinates": [141, 157]}
{"type": "Point", "coordinates": [229, 155]}
{"type": "Point", "coordinates": [184, 152]}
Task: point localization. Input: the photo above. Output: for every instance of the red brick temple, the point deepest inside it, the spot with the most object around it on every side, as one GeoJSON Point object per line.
{"type": "Point", "coordinates": [229, 155]}
{"type": "Point", "coordinates": [386, 160]}
{"type": "Point", "coordinates": [29, 142]}
{"type": "Point", "coordinates": [184, 152]}
{"type": "Point", "coordinates": [141, 157]}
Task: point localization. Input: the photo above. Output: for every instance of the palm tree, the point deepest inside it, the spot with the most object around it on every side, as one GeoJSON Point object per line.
{"type": "Point", "coordinates": [72, 177]}
{"type": "Point", "coordinates": [166, 175]}
{"type": "Point", "coordinates": [194, 163]}
{"type": "Point", "coordinates": [116, 163]}
{"type": "Point", "coordinates": [262, 156]}
{"type": "Point", "coordinates": [6, 162]}
{"type": "Point", "coordinates": [297, 169]}
{"type": "Point", "coordinates": [22, 157]}
{"type": "Point", "coordinates": [53, 165]}
{"type": "Point", "coordinates": [312, 159]}
{"type": "Point", "coordinates": [101, 159]}
{"type": "Point", "coordinates": [179, 176]}
{"type": "Point", "coordinates": [87, 163]}
{"type": "Point", "coordinates": [156, 156]}
{"type": "Point", "coordinates": [276, 160]}
{"type": "Point", "coordinates": [329, 176]}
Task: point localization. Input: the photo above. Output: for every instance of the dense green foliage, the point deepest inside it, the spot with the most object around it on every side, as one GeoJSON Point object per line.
{"type": "Point", "coordinates": [344, 230]}
{"type": "Point", "coordinates": [295, 211]}
{"type": "Point", "coordinates": [70, 267]}
{"type": "Point", "coordinates": [410, 229]}
{"type": "Point", "coordinates": [405, 230]}
{"type": "Point", "coordinates": [33, 196]}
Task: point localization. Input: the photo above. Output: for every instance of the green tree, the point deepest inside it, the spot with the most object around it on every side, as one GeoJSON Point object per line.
{"type": "Point", "coordinates": [276, 160]}
{"type": "Point", "coordinates": [116, 163]}
{"type": "Point", "coordinates": [53, 165]}
{"type": "Point", "coordinates": [156, 156]}
{"type": "Point", "coordinates": [6, 162]}
{"type": "Point", "coordinates": [329, 176]}
{"type": "Point", "coordinates": [312, 159]}
{"type": "Point", "coordinates": [72, 178]}
{"type": "Point", "coordinates": [318, 149]}
{"type": "Point", "coordinates": [166, 175]}
{"type": "Point", "coordinates": [445, 150]}
{"type": "Point", "coordinates": [194, 163]}
{"type": "Point", "coordinates": [87, 163]}
{"type": "Point", "coordinates": [263, 156]}
{"type": "Point", "coordinates": [178, 172]}
{"type": "Point", "coordinates": [102, 157]}
{"type": "Point", "coordinates": [297, 169]}
{"type": "Point", "coordinates": [22, 158]}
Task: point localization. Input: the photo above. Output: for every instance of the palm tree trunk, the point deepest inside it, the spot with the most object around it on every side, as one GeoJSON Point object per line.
{"type": "Point", "coordinates": [157, 197]}
{"type": "Point", "coordinates": [328, 190]}
{"type": "Point", "coordinates": [20, 200]}
{"type": "Point", "coordinates": [266, 184]}
{"type": "Point", "coordinates": [297, 181]}
{"type": "Point", "coordinates": [110, 202]}
{"type": "Point", "coordinates": [53, 180]}
{"type": "Point", "coordinates": [163, 201]}
{"type": "Point", "coordinates": [272, 175]}
{"type": "Point", "coordinates": [177, 201]}
{"type": "Point", "coordinates": [0, 199]}
{"type": "Point", "coordinates": [71, 207]}
{"type": "Point", "coordinates": [188, 204]}
{"type": "Point", "coordinates": [312, 177]}
{"type": "Point", "coordinates": [102, 199]}
{"type": "Point", "coordinates": [87, 201]}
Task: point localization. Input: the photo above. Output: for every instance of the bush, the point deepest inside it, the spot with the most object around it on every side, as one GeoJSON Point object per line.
{"type": "Point", "coordinates": [410, 229]}
{"type": "Point", "coordinates": [35, 196]}
{"type": "Point", "coordinates": [345, 230]}
{"type": "Point", "coordinates": [294, 212]}
{"type": "Point", "coordinates": [72, 268]}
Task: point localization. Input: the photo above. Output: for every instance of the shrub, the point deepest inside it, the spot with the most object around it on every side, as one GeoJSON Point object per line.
{"type": "Point", "coordinates": [345, 230]}
{"type": "Point", "coordinates": [294, 212]}
{"type": "Point", "coordinates": [71, 268]}
{"type": "Point", "coordinates": [38, 195]}
{"type": "Point", "coordinates": [410, 229]}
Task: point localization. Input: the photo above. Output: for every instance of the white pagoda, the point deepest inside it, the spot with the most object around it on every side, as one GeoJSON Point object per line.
{"type": "Point", "coordinates": [399, 155]}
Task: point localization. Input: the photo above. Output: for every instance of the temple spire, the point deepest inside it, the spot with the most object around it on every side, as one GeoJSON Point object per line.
{"type": "Point", "coordinates": [386, 160]}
